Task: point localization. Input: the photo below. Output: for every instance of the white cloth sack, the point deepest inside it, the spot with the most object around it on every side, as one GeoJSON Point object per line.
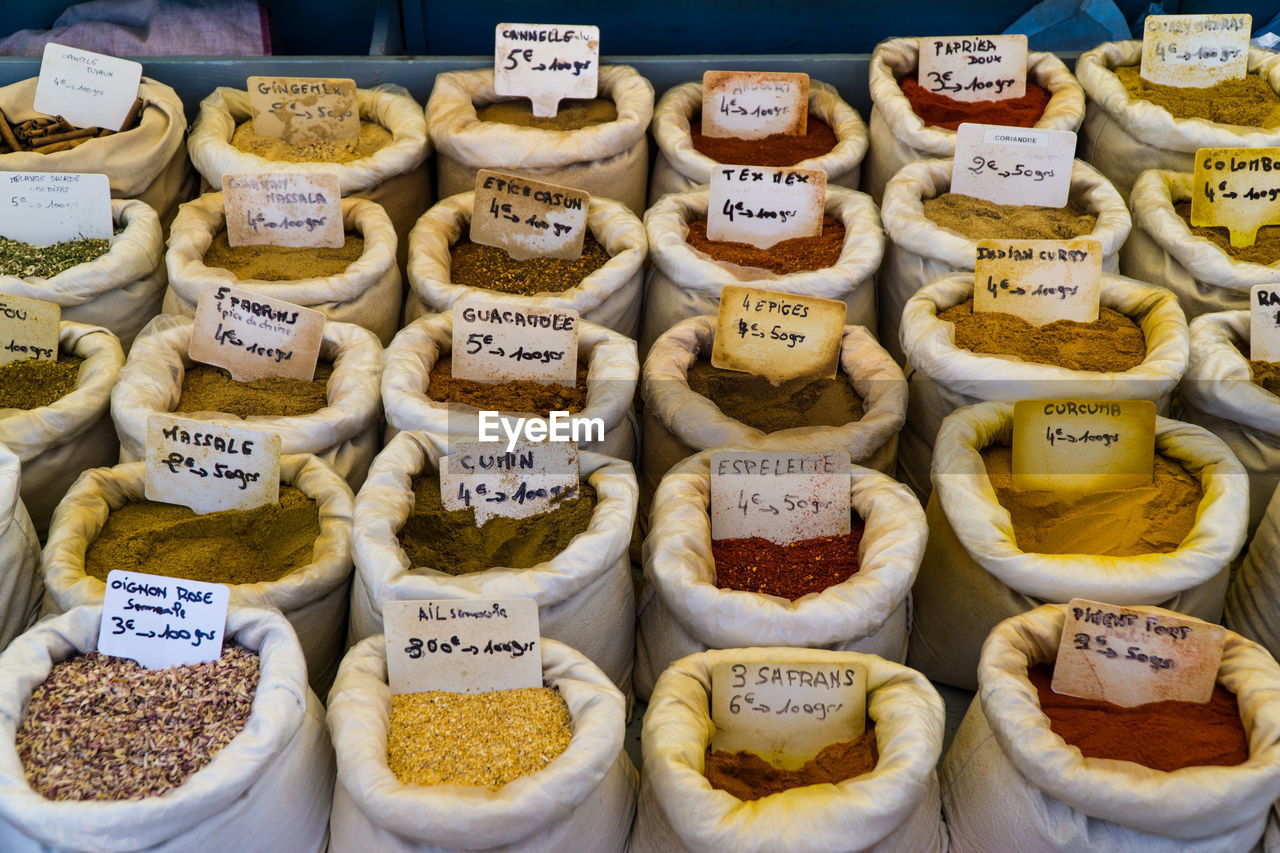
{"type": "Point", "coordinates": [610, 296]}
{"type": "Point", "coordinates": [680, 167]}
{"type": "Point", "coordinates": [21, 585]}
{"type": "Point", "coordinates": [583, 800]}
{"type": "Point", "coordinates": [974, 575]}
{"type": "Point", "coordinates": [584, 593]}
{"type": "Point", "coordinates": [270, 788]}
{"type": "Point", "coordinates": [609, 160]}
{"type": "Point", "coordinates": [119, 290]}
{"type": "Point", "coordinates": [892, 809]}
{"type": "Point", "coordinates": [685, 282]}
{"type": "Point", "coordinates": [683, 612]}
{"type": "Point", "coordinates": [918, 250]}
{"type": "Point", "coordinates": [899, 136]}
{"type": "Point", "coordinates": [1010, 783]}
{"type": "Point", "coordinates": [612, 373]}
{"type": "Point", "coordinates": [1253, 600]}
{"type": "Point", "coordinates": [345, 433]}
{"type": "Point", "coordinates": [313, 597]}
{"type": "Point", "coordinates": [1123, 137]}
{"type": "Point", "coordinates": [945, 377]}
{"type": "Point", "coordinates": [1163, 251]}
{"type": "Point", "coordinates": [366, 293]}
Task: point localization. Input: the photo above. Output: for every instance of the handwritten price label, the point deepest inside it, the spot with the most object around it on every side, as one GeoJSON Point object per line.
{"type": "Point", "coordinates": [1264, 322]}
{"type": "Point", "coordinates": [42, 208]}
{"type": "Point", "coordinates": [777, 335]}
{"type": "Point", "coordinates": [87, 89]}
{"type": "Point", "coordinates": [1013, 165]}
{"type": "Point", "coordinates": [754, 104]}
{"type": "Point", "coordinates": [974, 68]}
{"type": "Point", "coordinates": [497, 341]}
{"type": "Point", "coordinates": [782, 497]}
{"type": "Point", "coordinates": [529, 479]}
{"type": "Point", "coordinates": [469, 645]}
{"type": "Point", "coordinates": [763, 206]}
{"type": "Point", "coordinates": [1039, 280]}
{"type": "Point", "coordinates": [1237, 188]}
{"type": "Point", "coordinates": [29, 328]}
{"type": "Point", "coordinates": [546, 63]}
{"type": "Point", "coordinates": [162, 621]}
{"type": "Point", "coordinates": [254, 336]}
{"type": "Point", "coordinates": [303, 109]}
{"type": "Point", "coordinates": [209, 467]}
{"type": "Point", "coordinates": [283, 209]}
{"type": "Point", "coordinates": [528, 219]}
{"type": "Point", "coordinates": [1195, 50]}
{"type": "Point", "coordinates": [1083, 445]}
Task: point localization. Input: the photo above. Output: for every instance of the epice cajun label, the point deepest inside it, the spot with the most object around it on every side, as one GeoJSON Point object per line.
{"type": "Point", "coordinates": [301, 109]}
{"type": "Point", "coordinates": [974, 68]}
{"type": "Point", "coordinates": [546, 63]}
{"type": "Point", "coordinates": [763, 206]}
{"type": "Point", "coordinates": [528, 219]}
{"type": "Point", "coordinates": [1040, 281]}
{"type": "Point", "coordinates": [779, 496]}
{"type": "Point", "coordinates": [1195, 50]}
{"type": "Point", "coordinates": [1237, 188]}
{"type": "Point", "coordinates": [754, 104]}
{"type": "Point", "coordinates": [777, 335]}
{"type": "Point", "coordinates": [1083, 445]}
{"type": "Point", "coordinates": [1264, 322]}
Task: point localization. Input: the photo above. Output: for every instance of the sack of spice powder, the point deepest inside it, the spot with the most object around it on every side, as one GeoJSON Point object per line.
{"type": "Point", "coordinates": [893, 808]}
{"type": "Point", "coordinates": [55, 415]}
{"type": "Point", "coordinates": [683, 610]}
{"type": "Point", "coordinates": [119, 289]}
{"type": "Point", "coordinates": [337, 415]}
{"type": "Point", "coordinates": [269, 788]}
{"type": "Point", "coordinates": [20, 583]}
{"type": "Point", "coordinates": [147, 162]}
{"type": "Point", "coordinates": [1253, 598]}
{"type": "Point", "coordinates": [956, 358]}
{"type": "Point", "coordinates": [358, 283]}
{"type": "Point", "coordinates": [313, 596]}
{"type": "Point", "coordinates": [584, 592]}
{"type": "Point", "coordinates": [596, 145]}
{"type": "Point", "coordinates": [385, 167]}
{"type": "Point", "coordinates": [583, 800]}
{"type": "Point", "coordinates": [605, 285]}
{"type": "Point", "coordinates": [1011, 782]}
{"type": "Point", "coordinates": [930, 232]}
{"type": "Point", "coordinates": [835, 142]}
{"type": "Point", "coordinates": [1127, 132]}
{"type": "Point", "coordinates": [996, 551]}
{"type": "Point", "coordinates": [899, 136]}
{"type": "Point", "coordinates": [689, 272]}
{"type": "Point", "coordinates": [421, 353]}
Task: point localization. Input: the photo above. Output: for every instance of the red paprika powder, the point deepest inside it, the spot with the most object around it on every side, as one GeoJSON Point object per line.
{"type": "Point", "coordinates": [786, 256]}
{"type": "Point", "coordinates": [790, 571]}
{"type": "Point", "coordinates": [938, 110]}
{"type": "Point", "coordinates": [747, 776]}
{"type": "Point", "coordinates": [779, 149]}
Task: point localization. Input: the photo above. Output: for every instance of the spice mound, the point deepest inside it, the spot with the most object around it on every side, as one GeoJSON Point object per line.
{"type": "Point", "coordinates": [491, 268]}
{"type": "Point", "coordinates": [104, 728]}
{"type": "Point", "coordinates": [979, 219]}
{"type": "Point", "coordinates": [232, 546]}
{"type": "Point", "coordinates": [283, 263]}
{"type": "Point", "coordinates": [938, 110]}
{"type": "Point", "coordinates": [449, 541]}
{"type": "Point", "coordinates": [521, 395]}
{"type": "Point", "coordinates": [32, 383]}
{"type": "Point", "coordinates": [373, 137]}
{"type": "Point", "coordinates": [791, 571]}
{"type": "Point", "coordinates": [489, 739]}
{"type": "Point", "coordinates": [747, 776]}
{"type": "Point", "coordinates": [798, 254]}
{"type": "Point", "coordinates": [206, 388]}
{"type": "Point", "coordinates": [776, 150]}
{"type": "Point", "coordinates": [573, 113]}
{"type": "Point", "coordinates": [27, 261]}
{"type": "Point", "coordinates": [1265, 250]}
{"type": "Point", "coordinates": [1151, 519]}
{"type": "Point", "coordinates": [756, 402]}
{"type": "Point", "coordinates": [1164, 736]}
{"type": "Point", "coordinates": [1111, 344]}
{"type": "Point", "coordinates": [1250, 102]}
{"type": "Point", "coordinates": [1266, 374]}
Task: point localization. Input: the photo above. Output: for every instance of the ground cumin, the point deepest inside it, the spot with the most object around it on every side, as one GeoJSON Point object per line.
{"type": "Point", "coordinates": [232, 546]}
{"type": "Point", "coordinates": [32, 383]}
{"type": "Point", "coordinates": [748, 777]}
{"type": "Point", "coordinates": [1265, 250]}
{"type": "Point", "coordinates": [1151, 519]}
{"type": "Point", "coordinates": [523, 395]}
{"type": "Point", "coordinates": [1266, 374]}
{"type": "Point", "coordinates": [1111, 344]}
{"type": "Point", "coordinates": [1250, 102]}
{"type": "Point", "coordinates": [756, 402]}
{"type": "Point", "coordinates": [373, 137]}
{"type": "Point", "coordinates": [979, 219]}
{"type": "Point", "coordinates": [789, 571]}
{"type": "Point", "coordinates": [491, 268]}
{"type": "Point", "coordinates": [938, 110]}
{"type": "Point", "coordinates": [573, 114]}
{"type": "Point", "coordinates": [211, 389]}
{"type": "Point", "coordinates": [776, 150]}
{"type": "Point", "coordinates": [449, 540]}
{"type": "Point", "coordinates": [1164, 736]}
{"type": "Point", "coordinates": [795, 255]}
{"type": "Point", "coordinates": [283, 263]}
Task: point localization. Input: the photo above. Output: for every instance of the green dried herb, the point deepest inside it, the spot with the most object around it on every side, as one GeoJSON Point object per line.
{"type": "Point", "coordinates": [33, 383]}
{"type": "Point", "coordinates": [493, 269]}
{"type": "Point", "coordinates": [27, 261]}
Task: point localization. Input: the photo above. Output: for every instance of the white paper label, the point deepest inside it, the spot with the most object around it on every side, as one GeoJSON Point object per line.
{"type": "Point", "coordinates": [528, 219]}
{"type": "Point", "coordinates": [29, 328]}
{"type": "Point", "coordinates": [1195, 50]}
{"type": "Point", "coordinates": [42, 208]}
{"type": "Point", "coordinates": [754, 104]}
{"type": "Point", "coordinates": [283, 209]}
{"type": "Point", "coordinates": [254, 336]}
{"type": "Point", "coordinates": [778, 496]}
{"type": "Point", "coordinates": [546, 63]}
{"type": "Point", "coordinates": [777, 335]}
{"type": "Point", "coordinates": [160, 621]}
{"type": "Point", "coordinates": [530, 479]}
{"type": "Point", "coordinates": [1083, 445]}
{"type": "Point", "coordinates": [303, 109]}
{"type": "Point", "coordinates": [496, 341]}
{"type": "Point", "coordinates": [210, 467]}
{"type": "Point", "coordinates": [763, 206]}
{"type": "Point", "coordinates": [974, 68]}
{"type": "Point", "coordinates": [1264, 323]}
{"type": "Point", "coordinates": [1013, 165]}
{"type": "Point", "coordinates": [1041, 281]}
{"type": "Point", "coordinates": [87, 89]}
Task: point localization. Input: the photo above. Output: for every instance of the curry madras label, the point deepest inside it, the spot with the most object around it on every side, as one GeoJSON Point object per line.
{"type": "Point", "coordinates": [754, 104]}
{"type": "Point", "coordinates": [210, 467]}
{"type": "Point", "coordinates": [1238, 189]}
{"type": "Point", "coordinates": [1195, 50]}
{"type": "Point", "coordinates": [29, 328]}
{"type": "Point", "coordinates": [303, 109]}
{"type": "Point", "coordinates": [1041, 281]}
{"type": "Point", "coordinates": [283, 209]}
{"type": "Point", "coordinates": [974, 68]}
{"type": "Point", "coordinates": [527, 218]}
{"type": "Point", "coordinates": [777, 335]}
{"type": "Point", "coordinates": [253, 336]}
{"type": "Point", "coordinates": [1083, 445]}
{"type": "Point", "coordinates": [763, 206]}
{"type": "Point", "coordinates": [1013, 165]}
{"type": "Point", "coordinates": [523, 478]}
{"type": "Point", "coordinates": [1264, 322]}
{"type": "Point", "coordinates": [780, 496]}
{"type": "Point", "coordinates": [546, 63]}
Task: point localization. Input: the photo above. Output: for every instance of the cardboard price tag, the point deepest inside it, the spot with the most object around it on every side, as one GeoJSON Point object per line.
{"type": "Point", "coordinates": [43, 208]}
{"type": "Point", "coordinates": [974, 68]}
{"type": "Point", "coordinates": [528, 479]}
{"type": "Point", "coordinates": [87, 89]}
{"type": "Point", "coordinates": [1237, 188]}
{"type": "Point", "coordinates": [302, 109]}
{"type": "Point", "coordinates": [763, 206]}
{"type": "Point", "coordinates": [29, 328]}
{"type": "Point", "coordinates": [1264, 322]}
{"type": "Point", "coordinates": [502, 341]}
{"type": "Point", "coordinates": [254, 336]}
{"type": "Point", "coordinates": [1039, 280]}
{"type": "Point", "coordinates": [161, 621]}
{"type": "Point", "coordinates": [786, 712]}
{"type": "Point", "coordinates": [528, 219]}
{"type": "Point", "coordinates": [210, 467]}
{"type": "Point", "coordinates": [283, 209]}
{"type": "Point", "coordinates": [1014, 165]}
{"type": "Point", "coordinates": [469, 645]}
{"type": "Point", "coordinates": [754, 104]}
{"type": "Point", "coordinates": [1083, 445]}
{"type": "Point", "coordinates": [1134, 655]}
{"type": "Point", "coordinates": [1195, 50]}
{"type": "Point", "coordinates": [546, 63]}
{"type": "Point", "coordinates": [778, 496]}
{"type": "Point", "coordinates": [777, 335]}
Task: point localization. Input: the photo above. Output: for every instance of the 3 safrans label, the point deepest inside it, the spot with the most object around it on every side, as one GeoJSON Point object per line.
{"type": "Point", "coordinates": [1195, 50]}
{"type": "Point", "coordinates": [1134, 655]}
{"type": "Point", "coordinates": [162, 621]}
{"type": "Point", "coordinates": [777, 335]}
{"type": "Point", "coordinates": [253, 336]}
{"type": "Point", "coordinates": [304, 109]}
{"type": "Point", "coordinates": [779, 496]}
{"type": "Point", "coordinates": [754, 104]}
{"type": "Point", "coordinates": [786, 712]}
{"type": "Point", "coordinates": [87, 89]}
{"type": "Point", "coordinates": [1040, 281]}
{"type": "Point", "coordinates": [210, 467]}
{"type": "Point", "coordinates": [283, 209]}
{"type": "Point", "coordinates": [974, 68]}
{"type": "Point", "coordinates": [1264, 323]}
{"type": "Point", "coordinates": [1083, 445]}
{"type": "Point", "coordinates": [1014, 165]}
{"type": "Point", "coordinates": [43, 208]}
{"type": "Point", "coordinates": [1237, 188]}
{"type": "Point", "coordinates": [530, 478]}
{"type": "Point", "coordinates": [528, 219]}
{"type": "Point", "coordinates": [763, 206]}
{"type": "Point", "coordinates": [546, 63]}
{"type": "Point", "coordinates": [29, 329]}
{"type": "Point", "coordinates": [495, 341]}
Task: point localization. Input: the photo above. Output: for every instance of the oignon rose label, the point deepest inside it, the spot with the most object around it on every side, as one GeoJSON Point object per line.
{"type": "Point", "coordinates": [974, 68]}
{"type": "Point", "coordinates": [1040, 281]}
{"type": "Point", "coordinates": [29, 328]}
{"type": "Point", "coordinates": [528, 219]}
{"type": "Point", "coordinates": [1083, 445]}
{"type": "Point", "coordinates": [42, 208]}
{"type": "Point", "coordinates": [161, 621]}
{"type": "Point", "coordinates": [1195, 50]}
{"type": "Point", "coordinates": [783, 497]}
{"type": "Point", "coordinates": [546, 63]}
{"type": "Point", "coordinates": [302, 109]}
{"type": "Point", "coordinates": [283, 209]}
{"type": "Point", "coordinates": [516, 481]}
{"type": "Point", "coordinates": [777, 335]}
{"type": "Point", "coordinates": [496, 341]}
{"type": "Point", "coordinates": [1237, 188]}
{"type": "Point", "coordinates": [1013, 165]}
{"type": "Point", "coordinates": [754, 104]}
{"type": "Point", "coordinates": [763, 206]}
{"type": "Point", "coordinates": [87, 89]}
{"type": "Point", "coordinates": [209, 467]}
{"type": "Point", "coordinates": [1264, 322]}
{"type": "Point", "coordinates": [253, 336]}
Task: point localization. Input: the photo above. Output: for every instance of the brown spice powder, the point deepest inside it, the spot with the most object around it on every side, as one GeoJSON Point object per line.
{"type": "Point", "coordinates": [748, 777]}
{"type": "Point", "coordinates": [776, 150]}
{"type": "Point", "coordinates": [1265, 250]}
{"type": "Point", "coordinates": [979, 219]}
{"type": "Point", "coordinates": [798, 254]}
{"type": "Point", "coordinates": [756, 402]}
{"type": "Point", "coordinates": [283, 263]}
{"type": "Point", "coordinates": [573, 113]}
{"type": "Point", "coordinates": [206, 388]}
{"type": "Point", "coordinates": [491, 268]}
{"type": "Point", "coordinates": [938, 110]}
{"type": "Point", "coordinates": [1266, 374]}
{"type": "Point", "coordinates": [522, 395]}
{"type": "Point", "coordinates": [33, 383]}
{"type": "Point", "coordinates": [373, 137]}
{"type": "Point", "coordinates": [791, 571]}
{"type": "Point", "coordinates": [1250, 102]}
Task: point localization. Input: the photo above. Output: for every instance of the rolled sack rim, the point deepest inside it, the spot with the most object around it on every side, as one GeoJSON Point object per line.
{"type": "Point", "coordinates": [1219, 380]}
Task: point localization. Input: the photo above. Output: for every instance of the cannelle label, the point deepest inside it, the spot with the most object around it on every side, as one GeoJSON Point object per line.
{"type": "Point", "coordinates": [43, 208]}
{"type": "Point", "coordinates": [210, 467]}
{"type": "Point", "coordinates": [162, 621]}
{"type": "Point", "coordinates": [974, 68]}
{"type": "Point", "coordinates": [780, 496]}
{"type": "Point", "coordinates": [1014, 165]}
{"type": "Point", "coordinates": [283, 209]}
{"type": "Point", "coordinates": [303, 109]}
{"type": "Point", "coordinates": [1083, 445]}
{"type": "Point", "coordinates": [762, 206]}
{"type": "Point", "coordinates": [468, 645]}
{"type": "Point", "coordinates": [87, 89]}
{"type": "Point", "coordinates": [777, 335]}
{"type": "Point", "coordinates": [546, 63]}
{"type": "Point", "coordinates": [754, 104]}
{"type": "Point", "coordinates": [527, 218]}
{"type": "Point", "coordinates": [253, 336]}
{"type": "Point", "coordinates": [1264, 322]}
{"type": "Point", "coordinates": [1195, 50]}
{"type": "Point", "coordinates": [1041, 281]}
{"type": "Point", "coordinates": [526, 478]}
{"type": "Point", "coordinates": [29, 329]}
{"type": "Point", "coordinates": [496, 341]}
{"type": "Point", "coordinates": [1238, 189]}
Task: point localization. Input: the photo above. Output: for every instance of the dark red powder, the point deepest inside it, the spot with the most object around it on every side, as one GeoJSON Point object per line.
{"type": "Point", "coordinates": [938, 110]}
{"type": "Point", "coordinates": [776, 150]}
{"type": "Point", "coordinates": [748, 777]}
{"type": "Point", "coordinates": [790, 571]}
